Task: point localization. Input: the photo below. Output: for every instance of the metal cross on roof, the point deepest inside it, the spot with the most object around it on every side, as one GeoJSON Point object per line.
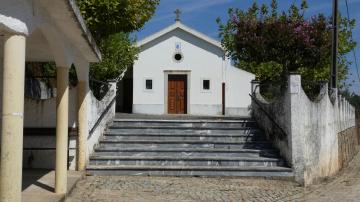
{"type": "Point", "coordinates": [178, 13]}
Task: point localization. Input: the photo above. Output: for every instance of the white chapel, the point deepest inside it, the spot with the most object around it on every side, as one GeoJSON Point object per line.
{"type": "Point", "coordinates": [182, 71]}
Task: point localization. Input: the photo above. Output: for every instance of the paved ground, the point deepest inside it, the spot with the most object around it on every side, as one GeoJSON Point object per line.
{"type": "Point", "coordinates": [38, 185]}
{"type": "Point", "coordinates": [343, 187]}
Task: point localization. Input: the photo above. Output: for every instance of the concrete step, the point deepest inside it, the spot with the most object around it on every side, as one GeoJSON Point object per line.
{"type": "Point", "coordinates": [177, 117]}
{"type": "Point", "coordinates": [192, 152]}
{"type": "Point", "coordinates": [182, 124]}
{"type": "Point", "coordinates": [185, 161]}
{"type": "Point", "coordinates": [176, 131]}
{"type": "Point", "coordinates": [190, 120]}
{"type": "Point", "coordinates": [184, 144]}
{"type": "Point", "coordinates": [234, 171]}
{"type": "Point", "coordinates": [192, 137]}
{"type": "Point", "coordinates": [205, 127]}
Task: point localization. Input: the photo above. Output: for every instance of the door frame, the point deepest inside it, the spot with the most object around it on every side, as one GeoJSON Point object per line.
{"type": "Point", "coordinates": [186, 73]}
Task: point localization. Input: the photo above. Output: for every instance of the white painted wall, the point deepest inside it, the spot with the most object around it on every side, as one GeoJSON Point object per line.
{"type": "Point", "coordinates": [238, 88]}
{"type": "Point", "coordinates": [42, 113]}
{"type": "Point", "coordinates": [202, 60]}
{"type": "Point", "coordinates": [95, 109]}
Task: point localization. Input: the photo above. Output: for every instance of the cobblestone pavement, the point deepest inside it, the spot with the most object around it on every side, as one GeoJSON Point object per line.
{"type": "Point", "coordinates": [343, 187]}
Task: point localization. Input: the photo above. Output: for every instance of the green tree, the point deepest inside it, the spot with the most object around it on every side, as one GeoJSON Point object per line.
{"type": "Point", "coordinates": [118, 54]}
{"type": "Point", "coordinates": [271, 44]}
{"type": "Point", "coordinates": [107, 17]}
{"type": "Point", "coordinates": [110, 22]}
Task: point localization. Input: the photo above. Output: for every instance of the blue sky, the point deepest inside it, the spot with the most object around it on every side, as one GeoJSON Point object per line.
{"type": "Point", "coordinates": [201, 15]}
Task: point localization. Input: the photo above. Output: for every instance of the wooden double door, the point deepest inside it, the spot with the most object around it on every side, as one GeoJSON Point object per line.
{"type": "Point", "coordinates": [177, 94]}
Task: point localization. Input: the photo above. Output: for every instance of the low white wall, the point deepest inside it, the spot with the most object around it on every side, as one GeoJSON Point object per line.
{"type": "Point", "coordinates": [105, 107]}
{"type": "Point", "coordinates": [316, 127]}
{"type": "Point", "coordinates": [311, 141]}
{"type": "Point", "coordinates": [39, 150]}
{"type": "Point", "coordinates": [42, 113]}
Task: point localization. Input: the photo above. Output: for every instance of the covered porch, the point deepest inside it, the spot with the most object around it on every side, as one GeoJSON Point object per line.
{"type": "Point", "coordinates": [42, 31]}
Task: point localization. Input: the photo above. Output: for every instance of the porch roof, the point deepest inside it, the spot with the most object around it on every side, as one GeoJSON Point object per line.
{"type": "Point", "coordinates": [34, 18]}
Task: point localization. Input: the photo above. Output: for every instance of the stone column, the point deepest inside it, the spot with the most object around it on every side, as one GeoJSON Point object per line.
{"type": "Point", "coordinates": [296, 136]}
{"type": "Point", "coordinates": [83, 133]}
{"type": "Point", "coordinates": [1, 82]}
{"type": "Point", "coordinates": [62, 111]}
{"type": "Point", "coordinates": [12, 118]}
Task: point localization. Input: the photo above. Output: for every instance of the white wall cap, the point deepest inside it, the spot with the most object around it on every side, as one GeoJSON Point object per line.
{"type": "Point", "coordinates": [13, 26]}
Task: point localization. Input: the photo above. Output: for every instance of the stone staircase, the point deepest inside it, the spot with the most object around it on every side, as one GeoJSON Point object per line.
{"type": "Point", "coordinates": [186, 147]}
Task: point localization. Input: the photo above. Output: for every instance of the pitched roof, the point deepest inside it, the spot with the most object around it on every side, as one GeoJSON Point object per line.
{"type": "Point", "coordinates": [179, 25]}
{"type": "Point", "coordinates": [86, 32]}
{"type": "Point", "coordinates": [66, 15]}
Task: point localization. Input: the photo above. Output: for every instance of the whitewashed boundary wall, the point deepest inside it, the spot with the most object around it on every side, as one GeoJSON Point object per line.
{"type": "Point", "coordinates": [310, 135]}
{"type": "Point", "coordinates": [100, 114]}
{"type": "Point", "coordinates": [39, 149]}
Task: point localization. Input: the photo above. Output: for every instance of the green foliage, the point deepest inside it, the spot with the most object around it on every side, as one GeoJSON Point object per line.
{"type": "Point", "coordinates": [46, 72]}
{"type": "Point", "coordinates": [267, 71]}
{"type": "Point", "coordinates": [110, 21]}
{"type": "Point", "coordinates": [118, 54]}
{"type": "Point", "coordinates": [49, 69]}
{"type": "Point", "coordinates": [271, 44]}
{"type": "Point", "coordinates": [107, 17]}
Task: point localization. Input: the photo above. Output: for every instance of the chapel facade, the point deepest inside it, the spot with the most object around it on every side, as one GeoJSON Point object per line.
{"type": "Point", "coordinates": [182, 71]}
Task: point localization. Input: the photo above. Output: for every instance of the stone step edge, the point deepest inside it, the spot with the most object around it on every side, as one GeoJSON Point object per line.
{"type": "Point", "coordinates": [110, 134]}
{"type": "Point", "coordinates": [210, 150]}
{"type": "Point", "coordinates": [269, 175]}
{"type": "Point", "coordinates": [244, 120]}
{"type": "Point", "coordinates": [181, 128]}
{"type": "Point", "coordinates": [180, 142]}
{"type": "Point", "coordinates": [185, 158]}
{"type": "Point", "coordinates": [192, 168]}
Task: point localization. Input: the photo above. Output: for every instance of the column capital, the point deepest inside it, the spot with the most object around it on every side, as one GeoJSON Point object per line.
{"type": "Point", "coordinates": [13, 26]}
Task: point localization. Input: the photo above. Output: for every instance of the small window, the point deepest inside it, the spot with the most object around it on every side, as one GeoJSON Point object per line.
{"type": "Point", "coordinates": [206, 84]}
{"type": "Point", "coordinates": [148, 84]}
{"type": "Point", "coordinates": [178, 57]}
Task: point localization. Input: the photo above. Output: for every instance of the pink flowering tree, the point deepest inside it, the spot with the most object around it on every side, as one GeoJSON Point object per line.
{"type": "Point", "coordinates": [271, 44]}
